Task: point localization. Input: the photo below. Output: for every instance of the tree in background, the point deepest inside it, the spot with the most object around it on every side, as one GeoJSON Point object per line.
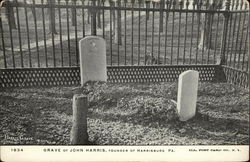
{"type": "Point", "coordinates": [10, 13]}
{"type": "Point", "coordinates": [52, 16]}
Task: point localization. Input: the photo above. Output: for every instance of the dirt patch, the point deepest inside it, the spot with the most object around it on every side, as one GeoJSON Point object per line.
{"type": "Point", "coordinates": [125, 114]}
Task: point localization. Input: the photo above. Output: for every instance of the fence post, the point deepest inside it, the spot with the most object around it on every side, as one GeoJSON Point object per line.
{"type": "Point", "coordinates": [93, 18]}
{"type": "Point", "coordinates": [222, 60]}
{"type": "Point", "coordinates": [79, 134]}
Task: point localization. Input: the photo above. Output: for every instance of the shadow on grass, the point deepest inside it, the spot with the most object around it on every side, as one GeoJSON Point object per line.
{"type": "Point", "coordinates": [202, 126]}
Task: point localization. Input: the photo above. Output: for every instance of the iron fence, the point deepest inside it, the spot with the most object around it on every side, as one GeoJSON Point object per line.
{"type": "Point", "coordinates": [45, 34]}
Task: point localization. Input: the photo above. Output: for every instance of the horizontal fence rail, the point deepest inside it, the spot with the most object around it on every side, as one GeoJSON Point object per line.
{"type": "Point", "coordinates": [28, 77]}
{"type": "Point", "coordinates": [45, 33]}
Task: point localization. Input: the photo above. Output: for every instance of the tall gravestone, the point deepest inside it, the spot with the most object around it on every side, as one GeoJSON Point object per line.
{"type": "Point", "coordinates": [93, 66]}
{"type": "Point", "coordinates": [187, 94]}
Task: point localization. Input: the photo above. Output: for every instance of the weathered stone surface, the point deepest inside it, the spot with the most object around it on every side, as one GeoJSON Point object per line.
{"type": "Point", "coordinates": [187, 94]}
{"type": "Point", "coordinates": [93, 64]}
{"type": "Point", "coordinates": [79, 134]}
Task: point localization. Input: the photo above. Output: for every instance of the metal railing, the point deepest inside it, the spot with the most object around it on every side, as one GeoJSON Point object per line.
{"type": "Point", "coordinates": [46, 33]}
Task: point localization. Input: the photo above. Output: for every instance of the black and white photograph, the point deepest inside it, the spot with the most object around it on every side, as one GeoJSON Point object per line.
{"type": "Point", "coordinates": [124, 76]}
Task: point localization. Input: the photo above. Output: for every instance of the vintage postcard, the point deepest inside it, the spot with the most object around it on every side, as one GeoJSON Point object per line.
{"type": "Point", "coordinates": [124, 80]}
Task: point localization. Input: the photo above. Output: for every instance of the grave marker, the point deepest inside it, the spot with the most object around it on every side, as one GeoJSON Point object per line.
{"type": "Point", "coordinates": [79, 134]}
{"type": "Point", "coordinates": [187, 94]}
{"type": "Point", "coordinates": [93, 65]}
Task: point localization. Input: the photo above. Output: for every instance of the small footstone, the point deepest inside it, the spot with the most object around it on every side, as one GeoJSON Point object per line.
{"type": "Point", "coordinates": [187, 94]}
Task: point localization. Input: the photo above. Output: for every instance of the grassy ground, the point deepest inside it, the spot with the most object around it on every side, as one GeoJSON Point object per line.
{"type": "Point", "coordinates": [126, 114]}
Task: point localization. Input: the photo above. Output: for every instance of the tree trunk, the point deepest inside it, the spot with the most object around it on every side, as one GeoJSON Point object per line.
{"type": "Point", "coordinates": [99, 15]}
{"type": "Point", "coordinates": [89, 13]}
{"type": "Point", "coordinates": [147, 12]}
{"type": "Point", "coordinates": [52, 15]}
{"type": "Point", "coordinates": [118, 38]}
{"type": "Point", "coordinates": [113, 22]}
{"type": "Point", "coordinates": [206, 31]}
{"type": "Point", "coordinates": [162, 4]}
{"type": "Point", "coordinates": [10, 15]}
{"type": "Point", "coordinates": [73, 13]}
{"type": "Point", "coordinates": [93, 19]}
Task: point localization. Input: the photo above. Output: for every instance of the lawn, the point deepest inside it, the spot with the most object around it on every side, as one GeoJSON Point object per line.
{"type": "Point", "coordinates": [125, 114]}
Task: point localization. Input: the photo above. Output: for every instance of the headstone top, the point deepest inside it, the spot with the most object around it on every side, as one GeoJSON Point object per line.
{"type": "Point", "coordinates": [188, 72]}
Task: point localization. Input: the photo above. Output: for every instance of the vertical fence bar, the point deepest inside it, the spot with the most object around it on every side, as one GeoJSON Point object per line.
{"type": "Point", "coordinates": [245, 50]}
{"type": "Point", "coordinates": [211, 17]}
{"type": "Point", "coordinates": [237, 37]}
{"type": "Point", "coordinates": [99, 25]}
{"type": "Point", "coordinates": [28, 33]}
{"type": "Point", "coordinates": [241, 39]}
{"type": "Point", "coordinates": [216, 37]}
{"type": "Point", "coordinates": [172, 40]}
{"type": "Point", "coordinates": [3, 43]}
{"type": "Point", "coordinates": [230, 35]}
{"type": "Point", "coordinates": [60, 33]}
{"type": "Point", "coordinates": [88, 11]}
{"type": "Point", "coordinates": [198, 34]}
{"type": "Point", "coordinates": [36, 34]}
{"type": "Point", "coordinates": [76, 35]}
{"type": "Point", "coordinates": [166, 30]}
{"type": "Point", "coordinates": [162, 5]}
{"type": "Point", "coordinates": [83, 20]}
{"type": "Point", "coordinates": [68, 30]}
{"type": "Point", "coordinates": [152, 41]}
{"type": "Point", "coordinates": [211, 8]}
{"type": "Point", "coordinates": [44, 35]}
{"type": "Point", "coordinates": [228, 56]}
{"type": "Point", "coordinates": [19, 34]}
{"type": "Point", "coordinates": [10, 13]}
{"type": "Point", "coordinates": [192, 31]}
{"type": "Point", "coordinates": [179, 32]}
{"type": "Point", "coordinates": [247, 47]}
{"type": "Point", "coordinates": [11, 38]}
{"type": "Point", "coordinates": [224, 35]}
{"type": "Point", "coordinates": [125, 32]}
{"type": "Point", "coordinates": [93, 18]}
{"type": "Point", "coordinates": [232, 41]}
{"type": "Point", "coordinates": [119, 27]}
{"type": "Point", "coordinates": [103, 19]}
{"type": "Point", "coordinates": [119, 30]}
{"type": "Point", "coordinates": [52, 13]}
{"type": "Point", "coordinates": [160, 29]}
{"type": "Point", "coordinates": [139, 32]}
{"type": "Point", "coordinates": [205, 28]}
{"type": "Point", "coordinates": [110, 32]}
{"type": "Point", "coordinates": [132, 34]}
{"type": "Point", "coordinates": [185, 37]}
{"type": "Point", "coordinates": [146, 34]}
